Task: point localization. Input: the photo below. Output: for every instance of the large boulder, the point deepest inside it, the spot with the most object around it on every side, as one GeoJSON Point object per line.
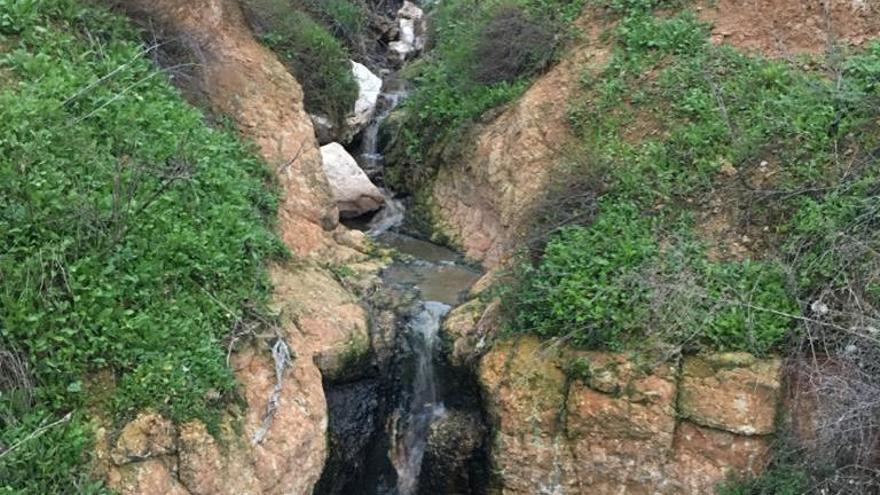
{"type": "Point", "coordinates": [369, 89]}
{"type": "Point", "coordinates": [353, 191]}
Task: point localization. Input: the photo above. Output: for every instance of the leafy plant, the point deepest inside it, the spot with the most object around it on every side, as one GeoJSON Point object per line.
{"type": "Point", "coordinates": [134, 239]}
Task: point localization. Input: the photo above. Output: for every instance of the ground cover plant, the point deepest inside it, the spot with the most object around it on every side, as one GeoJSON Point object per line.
{"type": "Point", "coordinates": [133, 240]}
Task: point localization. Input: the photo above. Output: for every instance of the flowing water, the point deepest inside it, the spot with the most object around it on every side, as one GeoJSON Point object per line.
{"type": "Point", "coordinates": [411, 436]}
{"type": "Point", "coordinates": [441, 278]}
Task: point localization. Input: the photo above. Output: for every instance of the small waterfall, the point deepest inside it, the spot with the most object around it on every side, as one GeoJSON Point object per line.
{"type": "Point", "coordinates": [391, 215]}
{"type": "Point", "coordinates": [410, 441]}
{"type": "Point", "coordinates": [371, 159]}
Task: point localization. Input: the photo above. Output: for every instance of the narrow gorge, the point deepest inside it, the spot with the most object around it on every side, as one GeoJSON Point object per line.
{"type": "Point", "coordinates": [440, 247]}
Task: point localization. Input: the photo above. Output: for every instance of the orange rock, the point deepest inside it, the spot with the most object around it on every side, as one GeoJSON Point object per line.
{"type": "Point", "coordinates": [733, 392]}
{"type": "Point", "coordinates": [612, 426]}
{"type": "Point", "coordinates": [704, 456]}
{"type": "Point", "coordinates": [148, 435]}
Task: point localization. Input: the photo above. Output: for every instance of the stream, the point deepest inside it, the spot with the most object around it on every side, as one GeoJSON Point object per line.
{"type": "Point", "coordinates": [416, 425]}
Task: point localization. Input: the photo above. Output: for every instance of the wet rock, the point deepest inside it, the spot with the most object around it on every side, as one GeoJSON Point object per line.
{"type": "Point", "coordinates": [353, 191]}
{"type": "Point", "coordinates": [369, 89]}
{"type": "Point", "coordinates": [469, 330]}
{"type": "Point", "coordinates": [455, 459]}
{"type": "Point", "coordinates": [734, 392]}
{"type": "Point", "coordinates": [355, 421]}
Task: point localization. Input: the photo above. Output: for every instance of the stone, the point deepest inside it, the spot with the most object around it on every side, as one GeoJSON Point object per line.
{"type": "Point", "coordinates": [328, 316]}
{"type": "Point", "coordinates": [152, 476]}
{"type": "Point", "coordinates": [208, 467]}
{"type": "Point", "coordinates": [703, 456]}
{"type": "Point", "coordinates": [325, 131]}
{"type": "Point", "coordinates": [734, 392]}
{"type": "Point", "coordinates": [148, 435]}
{"type": "Point", "coordinates": [454, 461]}
{"type": "Point", "coordinates": [613, 425]}
{"type": "Point", "coordinates": [469, 329]}
{"type": "Point", "coordinates": [524, 391]}
{"type": "Point", "coordinates": [369, 89]}
{"type": "Point", "coordinates": [621, 423]}
{"type": "Point", "coordinates": [353, 191]}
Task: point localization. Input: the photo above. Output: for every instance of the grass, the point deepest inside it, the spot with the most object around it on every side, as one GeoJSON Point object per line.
{"type": "Point", "coordinates": [640, 273]}
{"type": "Point", "coordinates": [134, 239]}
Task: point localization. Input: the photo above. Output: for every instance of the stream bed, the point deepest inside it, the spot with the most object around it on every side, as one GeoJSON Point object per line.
{"type": "Point", "coordinates": [413, 425]}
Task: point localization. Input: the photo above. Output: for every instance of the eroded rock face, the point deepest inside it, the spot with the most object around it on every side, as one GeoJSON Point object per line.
{"type": "Point", "coordinates": [481, 201]}
{"type": "Point", "coordinates": [353, 191]}
{"type": "Point", "coordinates": [616, 426]}
{"type": "Point", "coordinates": [733, 392]}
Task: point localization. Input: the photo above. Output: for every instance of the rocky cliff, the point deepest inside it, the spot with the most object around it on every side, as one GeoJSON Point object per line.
{"type": "Point", "coordinates": [567, 421]}
{"type": "Point", "coordinates": [277, 443]}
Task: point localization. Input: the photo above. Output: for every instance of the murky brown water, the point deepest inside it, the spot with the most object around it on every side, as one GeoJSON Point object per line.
{"type": "Point", "coordinates": [439, 273]}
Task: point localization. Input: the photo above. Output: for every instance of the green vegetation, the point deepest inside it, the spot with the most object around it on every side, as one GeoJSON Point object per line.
{"type": "Point", "coordinates": [674, 127]}
{"type": "Point", "coordinates": [134, 239]}
{"type": "Point", "coordinates": [776, 481]}
{"type": "Point", "coordinates": [320, 61]}
{"type": "Point", "coordinates": [484, 55]}
{"type": "Point", "coordinates": [345, 18]}
{"type": "Point", "coordinates": [782, 477]}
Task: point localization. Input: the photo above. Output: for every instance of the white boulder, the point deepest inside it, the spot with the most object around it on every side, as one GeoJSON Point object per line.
{"type": "Point", "coordinates": [353, 191]}
{"type": "Point", "coordinates": [369, 88]}
{"type": "Point", "coordinates": [412, 26]}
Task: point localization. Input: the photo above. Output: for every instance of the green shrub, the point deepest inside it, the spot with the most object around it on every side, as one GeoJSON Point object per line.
{"type": "Point", "coordinates": [468, 71]}
{"type": "Point", "coordinates": [344, 18]}
{"type": "Point", "coordinates": [783, 480]}
{"type": "Point", "coordinates": [134, 238]}
{"type": "Point", "coordinates": [320, 62]}
{"type": "Point", "coordinates": [712, 108]}
{"type": "Point", "coordinates": [580, 288]}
